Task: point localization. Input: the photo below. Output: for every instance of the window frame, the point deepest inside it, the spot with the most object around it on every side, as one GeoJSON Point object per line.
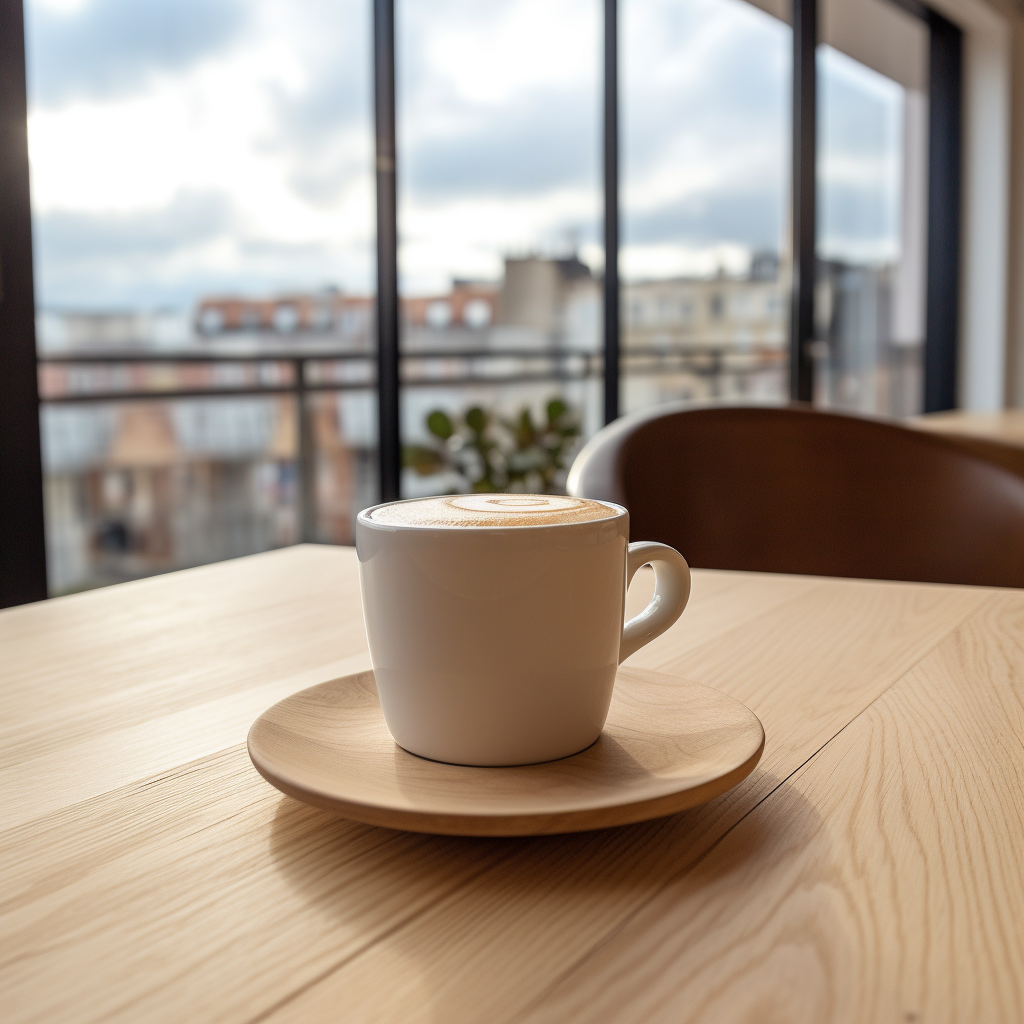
{"type": "Point", "coordinates": [22, 524]}
{"type": "Point", "coordinates": [22, 529]}
{"type": "Point", "coordinates": [945, 129]}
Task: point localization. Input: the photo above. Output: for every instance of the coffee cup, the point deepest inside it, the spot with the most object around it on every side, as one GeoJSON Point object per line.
{"type": "Point", "coordinates": [496, 622]}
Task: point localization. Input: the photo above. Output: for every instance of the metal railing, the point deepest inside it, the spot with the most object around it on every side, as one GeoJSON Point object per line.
{"type": "Point", "coordinates": [303, 373]}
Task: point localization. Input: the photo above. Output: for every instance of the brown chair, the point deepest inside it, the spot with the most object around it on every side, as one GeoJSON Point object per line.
{"type": "Point", "coordinates": [1009, 456]}
{"type": "Point", "coordinates": [793, 490]}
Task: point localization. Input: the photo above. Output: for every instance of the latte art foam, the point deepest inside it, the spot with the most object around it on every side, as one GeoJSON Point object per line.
{"type": "Point", "coordinates": [492, 510]}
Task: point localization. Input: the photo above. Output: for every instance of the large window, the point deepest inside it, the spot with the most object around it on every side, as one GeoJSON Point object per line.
{"type": "Point", "coordinates": [705, 202]}
{"type": "Point", "coordinates": [201, 187]}
{"type": "Point", "coordinates": [499, 200]}
{"type": "Point", "coordinates": [292, 258]}
{"type": "Point", "coordinates": [872, 203]}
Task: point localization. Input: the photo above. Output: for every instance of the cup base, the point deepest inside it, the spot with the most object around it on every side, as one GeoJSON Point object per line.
{"type": "Point", "coordinates": [501, 763]}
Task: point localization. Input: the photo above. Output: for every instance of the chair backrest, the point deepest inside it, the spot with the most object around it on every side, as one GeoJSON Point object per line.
{"type": "Point", "coordinates": [1009, 456]}
{"type": "Point", "coordinates": [793, 490]}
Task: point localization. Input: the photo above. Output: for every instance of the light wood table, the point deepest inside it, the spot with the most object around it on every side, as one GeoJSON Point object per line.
{"type": "Point", "coordinates": [997, 436]}
{"type": "Point", "coordinates": [1007, 426]}
{"type": "Point", "coordinates": [871, 869]}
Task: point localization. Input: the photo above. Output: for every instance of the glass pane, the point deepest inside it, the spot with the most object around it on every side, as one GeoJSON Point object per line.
{"type": "Point", "coordinates": [499, 228]}
{"type": "Point", "coordinates": [202, 187]}
{"type": "Point", "coordinates": [705, 198]}
{"type": "Point", "coordinates": [872, 195]}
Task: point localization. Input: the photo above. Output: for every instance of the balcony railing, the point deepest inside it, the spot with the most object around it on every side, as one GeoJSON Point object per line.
{"type": "Point", "coordinates": [130, 375]}
{"type": "Point", "coordinates": [92, 378]}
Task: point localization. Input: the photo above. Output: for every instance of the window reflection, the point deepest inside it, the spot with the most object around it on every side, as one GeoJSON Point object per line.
{"type": "Point", "coordinates": [872, 189]}
{"type": "Point", "coordinates": [705, 173]}
{"type": "Point", "coordinates": [499, 221]}
{"type": "Point", "coordinates": [201, 186]}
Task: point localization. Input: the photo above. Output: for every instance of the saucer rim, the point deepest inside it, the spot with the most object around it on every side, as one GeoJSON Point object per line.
{"type": "Point", "coordinates": [619, 810]}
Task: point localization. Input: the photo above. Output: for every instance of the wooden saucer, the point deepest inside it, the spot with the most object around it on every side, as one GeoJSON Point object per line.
{"type": "Point", "coordinates": [668, 745]}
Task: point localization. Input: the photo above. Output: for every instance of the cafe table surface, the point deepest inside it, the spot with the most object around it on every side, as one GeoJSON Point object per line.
{"type": "Point", "coordinates": [870, 869]}
{"type": "Point", "coordinates": [1006, 427]}
{"type": "Point", "coordinates": [996, 436]}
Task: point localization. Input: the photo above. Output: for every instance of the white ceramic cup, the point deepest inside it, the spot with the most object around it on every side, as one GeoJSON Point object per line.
{"type": "Point", "coordinates": [498, 645]}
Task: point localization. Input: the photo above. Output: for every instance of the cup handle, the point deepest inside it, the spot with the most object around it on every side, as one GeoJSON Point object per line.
{"type": "Point", "coordinates": [671, 592]}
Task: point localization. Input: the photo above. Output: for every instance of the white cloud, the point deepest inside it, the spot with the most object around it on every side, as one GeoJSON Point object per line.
{"type": "Point", "coordinates": [499, 131]}
{"type": "Point", "coordinates": [860, 161]}
{"type": "Point", "coordinates": [60, 6]}
{"type": "Point", "coordinates": [490, 56]}
{"type": "Point", "coordinates": [648, 262]}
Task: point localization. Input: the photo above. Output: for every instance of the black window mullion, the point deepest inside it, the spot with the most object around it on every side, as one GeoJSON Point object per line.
{"type": "Point", "coordinates": [612, 319]}
{"type": "Point", "coordinates": [22, 533]}
{"type": "Point", "coordinates": [389, 438]}
{"type": "Point", "coordinates": [942, 305]}
{"type": "Point", "coordinates": [804, 197]}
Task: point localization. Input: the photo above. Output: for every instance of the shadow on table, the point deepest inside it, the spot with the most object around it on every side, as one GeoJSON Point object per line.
{"type": "Point", "coordinates": [480, 928]}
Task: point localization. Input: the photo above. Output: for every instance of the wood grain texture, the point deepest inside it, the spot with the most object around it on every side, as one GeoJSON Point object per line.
{"type": "Point", "coordinates": [667, 745]}
{"type": "Point", "coordinates": [108, 687]}
{"type": "Point", "coordinates": [883, 882]}
{"type": "Point", "coordinates": [807, 668]}
{"type": "Point", "coordinates": [186, 897]}
{"type": "Point", "coordinates": [154, 876]}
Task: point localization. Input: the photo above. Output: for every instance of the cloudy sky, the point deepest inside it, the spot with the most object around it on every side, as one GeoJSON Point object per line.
{"type": "Point", "coordinates": [183, 147]}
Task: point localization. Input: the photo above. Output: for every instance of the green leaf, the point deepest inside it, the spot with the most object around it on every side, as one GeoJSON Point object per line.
{"type": "Point", "coordinates": [439, 424]}
{"type": "Point", "coordinates": [425, 461]}
{"type": "Point", "coordinates": [556, 410]}
{"type": "Point", "coordinates": [476, 419]}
